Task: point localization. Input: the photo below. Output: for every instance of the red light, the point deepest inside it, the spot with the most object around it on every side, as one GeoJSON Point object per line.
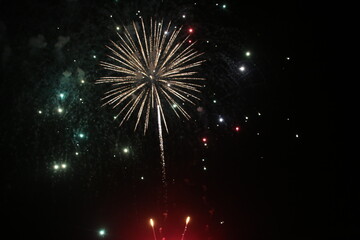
{"type": "Point", "coordinates": [237, 128]}
{"type": "Point", "coordinates": [191, 30]}
{"type": "Point", "coordinates": [204, 140]}
{"type": "Point", "coordinates": [190, 41]}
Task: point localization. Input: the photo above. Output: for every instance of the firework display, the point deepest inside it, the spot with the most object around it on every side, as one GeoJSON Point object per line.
{"type": "Point", "coordinates": [121, 119]}
{"type": "Point", "coordinates": [156, 68]}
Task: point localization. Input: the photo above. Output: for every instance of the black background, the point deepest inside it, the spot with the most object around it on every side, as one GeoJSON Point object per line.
{"type": "Point", "coordinates": [272, 186]}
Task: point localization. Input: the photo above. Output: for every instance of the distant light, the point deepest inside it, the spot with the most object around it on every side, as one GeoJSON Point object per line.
{"type": "Point", "coordinates": [187, 220]}
{"type": "Point", "coordinates": [191, 30]}
{"type": "Point", "coordinates": [259, 113]}
{"type": "Point", "coordinates": [102, 232]}
{"type": "Point", "coordinates": [242, 68]}
{"type": "Point", "coordinates": [247, 53]}
{"type": "Point", "coordinates": [258, 134]}
{"type": "Point", "coordinates": [204, 139]}
{"type": "Point", "coordinates": [214, 101]}
{"type": "Point", "coordinates": [94, 56]}
{"type": "Point", "coordinates": [203, 160]}
{"type": "Point", "coordinates": [111, 16]}
{"type": "Point", "coordinates": [166, 32]}
{"type": "Point", "coordinates": [40, 112]}
{"type": "Point", "coordinates": [222, 222]}
{"type": "Point", "coordinates": [174, 105]}
{"type": "Point", "coordinates": [142, 178]}
{"type": "Point", "coordinates": [81, 135]}
{"type": "Point", "coordinates": [82, 81]}
{"type": "Point", "coordinates": [76, 153]}
{"type": "Point", "coordinates": [63, 165]}
{"type": "Point", "coordinates": [216, 4]}
{"type": "Point", "coordinates": [246, 117]}
{"type": "Point", "coordinates": [151, 222]}
{"type": "Point", "coordinates": [56, 166]}
{"type": "Point", "coordinates": [221, 119]}
{"type": "Point", "coordinates": [60, 110]}
{"type": "Point", "coordinates": [287, 58]}
{"type": "Point", "coordinates": [296, 135]}
{"type": "Point", "coordinates": [224, 6]}
{"type": "Point", "coordinates": [237, 128]}
{"type": "Point", "coordinates": [190, 41]}
{"type": "Point", "coordinates": [118, 28]}
{"type": "Point", "coordinates": [61, 95]}
{"type": "Point", "coordinates": [125, 150]}
{"type": "Point", "coordinates": [183, 16]}
{"type": "Point", "coordinates": [204, 168]}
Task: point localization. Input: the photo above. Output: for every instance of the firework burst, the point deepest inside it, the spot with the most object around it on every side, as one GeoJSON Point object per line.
{"type": "Point", "coordinates": [153, 68]}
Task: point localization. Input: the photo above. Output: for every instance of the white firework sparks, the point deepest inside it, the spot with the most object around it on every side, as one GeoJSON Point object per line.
{"type": "Point", "coordinates": [154, 68]}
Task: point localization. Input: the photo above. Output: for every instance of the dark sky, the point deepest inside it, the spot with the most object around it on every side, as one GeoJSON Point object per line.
{"type": "Point", "coordinates": [278, 177]}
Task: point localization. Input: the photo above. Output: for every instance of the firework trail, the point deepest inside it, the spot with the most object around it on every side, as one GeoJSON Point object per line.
{"type": "Point", "coordinates": [153, 230]}
{"type": "Point", "coordinates": [185, 228]}
{"type": "Point", "coordinates": [154, 68]}
{"type": "Point", "coordinates": [162, 155]}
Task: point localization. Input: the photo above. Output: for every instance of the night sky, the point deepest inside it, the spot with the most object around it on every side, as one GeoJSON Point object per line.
{"type": "Point", "coordinates": [257, 160]}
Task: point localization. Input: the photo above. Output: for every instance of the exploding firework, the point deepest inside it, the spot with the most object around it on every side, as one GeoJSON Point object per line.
{"type": "Point", "coordinates": [153, 68]}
